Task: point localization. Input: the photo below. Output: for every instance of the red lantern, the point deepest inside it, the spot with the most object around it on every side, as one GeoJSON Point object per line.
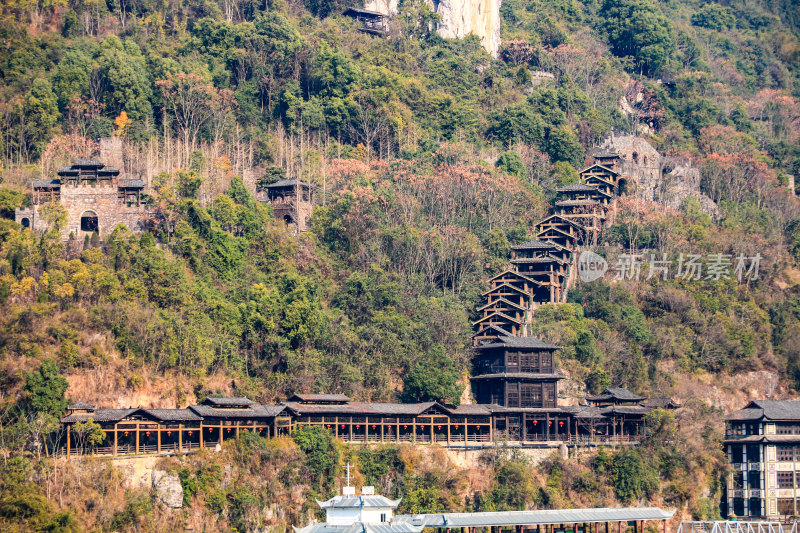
{"type": "Point", "coordinates": [456, 427]}
{"type": "Point", "coordinates": [561, 424]}
{"type": "Point", "coordinates": [229, 430]}
{"type": "Point", "coordinates": [148, 433]}
{"type": "Point", "coordinates": [260, 428]}
{"type": "Point", "coordinates": [342, 426]}
{"type": "Point", "coordinates": [169, 433]}
{"type": "Point", "coordinates": [326, 425]}
{"type": "Point", "coordinates": [358, 426]}
{"type": "Point", "coordinates": [550, 423]}
{"type": "Point", "coordinates": [126, 433]}
{"type": "Point", "coordinates": [535, 422]}
{"type": "Point", "coordinates": [405, 427]}
{"type": "Point", "coordinates": [440, 427]}
{"type": "Point", "coordinates": [209, 430]}
{"type": "Point", "coordinates": [190, 433]}
{"type": "Point", "coordinates": [373, 426]}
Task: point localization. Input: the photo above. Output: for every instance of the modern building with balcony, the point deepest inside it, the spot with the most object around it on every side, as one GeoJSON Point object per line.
{"type": "Point", "coordinates": [762, 442]}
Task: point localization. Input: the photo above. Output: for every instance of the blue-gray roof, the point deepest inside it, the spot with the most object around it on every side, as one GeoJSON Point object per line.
{"type": "Point", "coordinates": [768, 409]}
{"type": "Point", "coordinates": [560, 516]}
{"type": "Point", "coordinates": [345, 502]}
{"type": "Point", "coordinates": [520, 342]}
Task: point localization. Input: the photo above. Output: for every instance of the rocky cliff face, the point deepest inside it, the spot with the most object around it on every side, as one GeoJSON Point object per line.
{"type": "Point", "coordinates": [459, 18]}
{"type": "Point", "coordinates": [650, 176]}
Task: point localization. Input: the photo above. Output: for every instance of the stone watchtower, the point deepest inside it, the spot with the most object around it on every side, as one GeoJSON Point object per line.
{"type": "Point", "coordinates": [95, 197]}
{"type": "Point", "coordinates": [292, 200]}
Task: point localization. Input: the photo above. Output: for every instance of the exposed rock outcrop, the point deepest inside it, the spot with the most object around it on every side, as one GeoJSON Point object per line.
{"type": "Point", "coordinates": [667, 180]}
{"type": "Point", "coordinates": [168, 489]}
{"type": "Point", "coordinates": [459, 18]}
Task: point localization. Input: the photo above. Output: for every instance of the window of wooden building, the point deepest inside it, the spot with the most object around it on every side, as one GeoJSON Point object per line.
{"type": "Point", "coordinates": [785, 453]}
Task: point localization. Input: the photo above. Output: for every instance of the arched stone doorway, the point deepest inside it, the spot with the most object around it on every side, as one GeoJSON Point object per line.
{"type": "Point", "coordinates": [89, 222]}
{"type": "Point", "coordinates": [26, 223]}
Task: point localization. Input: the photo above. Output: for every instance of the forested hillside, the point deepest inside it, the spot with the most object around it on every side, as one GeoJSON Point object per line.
{"type": "Point", "coordinates": [431, 159]}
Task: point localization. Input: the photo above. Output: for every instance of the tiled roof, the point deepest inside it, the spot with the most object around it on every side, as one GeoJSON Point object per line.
{"type": "Point", "coordinates": [576, 203]}
{"type": "Point", "coordinates": [508, 302]}
{"type": "Point", "coordinates": [469, 410]}
{"type": "Point", "coordinates": [133, 184]}
{"type": "Point", "coordinates": [661, 403]}
{"type": "Point", "coordinates": [346, 502]}
{"type": "Point", "coordinates": [585, 411]}
{"type": "Point", "coordinates": [227, 401]}
{"type": "Point", "coordinates": [101, 415]}
{"type": "Point", "coordinates": [46, 184]}
{"type": "Point", "coordinates": [253, 411]}
{"type": "Point", "coordinates": [520, 342]}
{"type": "Point", "coordinates": [535, 244]}
{"type": "Point", "coordinates": [169, 415]}
{"type": "Point", "coordinates": [81, 406]}
{"type": "Point", "coordinates": [87, 163]}
{"type": "Point", "coordinates": [769, 409]}
{"type": "Point", "coordinates": [339, 398]}
{"type": "Point", "coordinates": [361, 408]}
{"type": "Point", "coordinates": [616, 393]}
{"type": "Point", "coordinates": [287, 183]}
{"type": "Point", "coordinates": [578, 187]}
{"type": "Point", "coordinates": [625, 410]}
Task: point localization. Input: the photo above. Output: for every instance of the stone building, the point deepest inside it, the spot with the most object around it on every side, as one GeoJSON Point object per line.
{"type": "Point", "coordinates": [283, 196]}
{"type": "Point", "coordinates": [646, 174]}
{"type": "Point", "coordinates": [96, 197]}
{"type": "Point", "coordinates": [762, 442]}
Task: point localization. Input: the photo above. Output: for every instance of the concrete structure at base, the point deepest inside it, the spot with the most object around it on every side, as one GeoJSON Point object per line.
{"type": "Point", "coordinates": [369, 513]}
{"type": "Point", "coordinates": [762, 442]}
{"type": "Point", "coordinates": [96, 198]}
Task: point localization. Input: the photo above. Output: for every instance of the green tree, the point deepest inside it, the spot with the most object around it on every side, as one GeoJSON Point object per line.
{"type": "Point", "coordinates": [632, 475]}
{"type": "Point", "coordinates": [597, 381]}
{"type": "Point", "coordinates": [511, 163]}
{"type": "Point", "coordinates": [10, 199]}
{"type": "Point", "coordinates": [562, 144]}
{"type": "Point", "coordinates": [41, 113]}
{"type": "Point", "coordinates": [637, 29]}
{"type": "Point", "coordinates": [321, 453]}
{"type": "Point", "coordinates": [714, 17]}
{"type": "Point", "coordinates": [128, 88]}
{"type": "Point", "coordinates": [434, 377]}
{"type": "Point", "coordinates": [44, 390]}
{"type": "Point", "coordinates": [88, 434]}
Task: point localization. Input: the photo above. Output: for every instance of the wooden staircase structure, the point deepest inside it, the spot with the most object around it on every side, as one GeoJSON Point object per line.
{"type": "Point", "coordinates": [542, 271]}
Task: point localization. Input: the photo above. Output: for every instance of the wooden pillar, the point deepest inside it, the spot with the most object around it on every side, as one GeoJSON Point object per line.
{"type": "Point", "coordinates": [180, 437]}
{"type": "Point", "coordinates": [221, 434]}
{"type": "Point", "coordinates": [433, 438]}
{"type": "Point", "coordinates": [665, 526]}
{"type": "Point", "coordinates": [137, 438]}
{"type": "Point", "coordinates": [448, 430]}
{"type": "Point", "coordinates": [158, 439]}
{"type": "Point", "coordinates": [336, 428]}
{"type": "Point", "coordinates": [202, 427]}
{"type": "Point", "coordinates": [69, 439]}
{"type": "Point", "coordinates": [116, 440]}
{"type": "Point", "coordinates": [547, 427]}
